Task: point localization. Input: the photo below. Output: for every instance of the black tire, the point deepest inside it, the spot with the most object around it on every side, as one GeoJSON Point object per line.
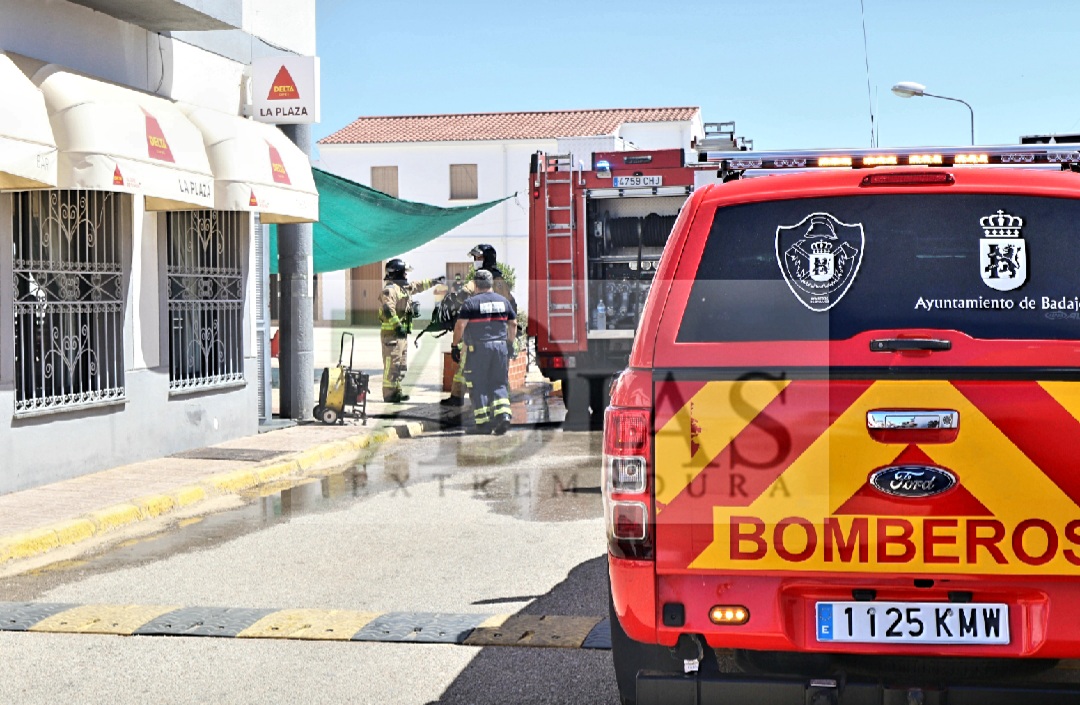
{"type": "Point", "coordinates": [329, 416]}
{"type": "Point", "coordinates": [629, 657]}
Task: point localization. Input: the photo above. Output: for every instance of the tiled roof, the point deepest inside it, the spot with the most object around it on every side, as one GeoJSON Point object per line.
{"type": "Point", "coordinates": [499, 126]}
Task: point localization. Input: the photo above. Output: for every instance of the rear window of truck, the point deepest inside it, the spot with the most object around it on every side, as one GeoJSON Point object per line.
{"type": "Point", "coordinates": [993, 266]}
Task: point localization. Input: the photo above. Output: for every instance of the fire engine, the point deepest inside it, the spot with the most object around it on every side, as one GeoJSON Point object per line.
{"type": "Point", "coordinates": [841, 465]}
{"type": "Point", "coordinates": [596, 232]}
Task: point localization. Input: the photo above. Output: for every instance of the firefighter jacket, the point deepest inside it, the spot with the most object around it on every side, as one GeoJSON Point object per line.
{"type": "Point", "coordinates": [395, 304]}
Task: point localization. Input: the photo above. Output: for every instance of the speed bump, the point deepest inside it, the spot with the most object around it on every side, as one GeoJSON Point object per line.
{"type": "Point", "coordinates": [313, 624]}
{"type": "Point", "coordinates": [536, 630]}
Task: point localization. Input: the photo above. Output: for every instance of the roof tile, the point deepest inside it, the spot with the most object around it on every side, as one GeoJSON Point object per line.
{"type": "Point", "coordinates": [470, 127]}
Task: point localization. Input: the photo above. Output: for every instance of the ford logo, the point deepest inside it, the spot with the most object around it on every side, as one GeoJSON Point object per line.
{"type": "Point", "coordinates": [912, 480]}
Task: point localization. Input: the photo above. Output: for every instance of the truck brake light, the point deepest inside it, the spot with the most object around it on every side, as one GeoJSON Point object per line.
{"type": "Point", "coordinates": [627, 482]}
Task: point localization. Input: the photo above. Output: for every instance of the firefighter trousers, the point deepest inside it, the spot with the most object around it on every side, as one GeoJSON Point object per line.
{"type": "Point", "coordinates": [486, 375]}
{"type": "Point", "coordinates": [395, 352]}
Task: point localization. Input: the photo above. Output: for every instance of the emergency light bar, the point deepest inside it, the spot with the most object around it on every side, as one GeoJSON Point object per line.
{"type": "Point", "coordinates": [1022, 155]}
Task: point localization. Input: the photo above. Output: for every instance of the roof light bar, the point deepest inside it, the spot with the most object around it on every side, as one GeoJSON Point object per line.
{"type": "Point", "coordinates": [1022, 155]}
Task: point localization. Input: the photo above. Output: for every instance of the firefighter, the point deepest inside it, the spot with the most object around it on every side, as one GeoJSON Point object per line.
{"type": "Point", "coordinates": [484, 257]}
{"type": "Point", "coordinates": [396, 312]}
{"type": "Point", "coordinates": [487, 324]}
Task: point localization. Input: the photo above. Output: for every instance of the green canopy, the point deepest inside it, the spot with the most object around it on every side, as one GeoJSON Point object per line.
{"type": "Point", "coordinates": [359, 225]}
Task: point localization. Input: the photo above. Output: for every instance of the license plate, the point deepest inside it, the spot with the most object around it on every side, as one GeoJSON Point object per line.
{"type": "Point", "coordinates": [913, 622]}
{"type": "Point", "coordinates": [632, 181]}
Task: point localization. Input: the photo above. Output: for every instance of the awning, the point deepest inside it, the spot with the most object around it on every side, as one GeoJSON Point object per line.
{"type": "Point", "coordinates": [359, 225]}
{"type": "Point", "coordinates": [27, 150]}
{"type": "Point", "coordinates": [113, 138]}
{"type": "Point", "coordinates": [256, 168]}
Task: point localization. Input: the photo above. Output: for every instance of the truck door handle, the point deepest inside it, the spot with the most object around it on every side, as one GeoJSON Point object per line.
{"type": "Point", "coordinates": [902, 344]}
{"type": "Point", "coordinates": [912, 419]}
{"type": "Point", "coordinates": [913, 425]}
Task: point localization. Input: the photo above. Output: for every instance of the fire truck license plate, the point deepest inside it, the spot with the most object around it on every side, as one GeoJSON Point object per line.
{"type": "Point", "coordinates": [631, 181]}
{"type": "Point", "coordinates": [913, 622]}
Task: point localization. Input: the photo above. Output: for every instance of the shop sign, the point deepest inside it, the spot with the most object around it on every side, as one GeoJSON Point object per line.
{"type": "Point", "coordinates": [285, 89]}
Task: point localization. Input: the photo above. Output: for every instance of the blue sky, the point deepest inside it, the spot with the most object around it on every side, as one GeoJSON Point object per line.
{"type": "Point", "coordinates": [790, 73]}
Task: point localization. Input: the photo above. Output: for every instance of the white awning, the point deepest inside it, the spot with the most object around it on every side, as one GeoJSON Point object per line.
{"type": "Point", "coordinates": [27, 149]}
{"type": "Point", "coordinates": [113, 138]}
{"type": "Point", "coordinates": [256, 168]}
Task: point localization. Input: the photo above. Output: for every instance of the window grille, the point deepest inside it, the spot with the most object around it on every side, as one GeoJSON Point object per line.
{"type": "Point", "coordinates": [205, 262]}
{"type": "Point", "coordinates": [69, 297]}
{"type": "Point", "coordinates": [462, 182]}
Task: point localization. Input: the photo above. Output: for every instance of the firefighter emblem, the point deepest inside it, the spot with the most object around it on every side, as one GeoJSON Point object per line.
{"type": "Point", "coordinates": [1002, 252]}
{"type": "Point", "coordinates": [819, 258]}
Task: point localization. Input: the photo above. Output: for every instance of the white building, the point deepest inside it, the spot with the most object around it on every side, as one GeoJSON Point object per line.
{"type": "Point", "coordinates": [131, 189]}
{"type": "Point", "coordinates": [454, 160]}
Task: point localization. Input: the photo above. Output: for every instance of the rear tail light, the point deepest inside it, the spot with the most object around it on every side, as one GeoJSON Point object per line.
{"type": "Point", "coordinates": [627, 482]}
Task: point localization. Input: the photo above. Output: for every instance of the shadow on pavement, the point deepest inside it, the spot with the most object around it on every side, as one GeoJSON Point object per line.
{"type": "Point", "coordinates": [499, 675]}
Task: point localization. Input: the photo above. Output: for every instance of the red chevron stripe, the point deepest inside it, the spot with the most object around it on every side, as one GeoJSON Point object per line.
{"type": "Point", "coordinates": [752, 462]}
{"type": "Point", "coordinates": [1036, 423]}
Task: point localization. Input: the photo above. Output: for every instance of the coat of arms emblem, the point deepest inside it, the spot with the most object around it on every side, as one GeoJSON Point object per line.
{"type": "Point", "coordinates": [819, 257]}
{"type": "Point", "coordinates": [1002, 252]}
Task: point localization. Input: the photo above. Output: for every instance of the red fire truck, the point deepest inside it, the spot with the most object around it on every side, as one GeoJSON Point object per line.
{"type": "Point", "coordinates": [596, 232]}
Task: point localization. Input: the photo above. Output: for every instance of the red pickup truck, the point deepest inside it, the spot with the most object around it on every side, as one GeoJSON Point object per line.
{"type": "Point", "coordinates": [843, 465]}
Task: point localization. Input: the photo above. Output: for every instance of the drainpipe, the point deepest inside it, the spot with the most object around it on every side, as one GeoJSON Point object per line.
{"type": "Point", "coordinates": [297, 353]}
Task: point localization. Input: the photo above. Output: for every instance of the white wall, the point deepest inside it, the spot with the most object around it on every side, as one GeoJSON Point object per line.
{"type": "Point", "coordinates": [289, 24]}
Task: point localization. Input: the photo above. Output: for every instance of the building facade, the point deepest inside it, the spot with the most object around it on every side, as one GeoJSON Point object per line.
{"type": "Point", "coordinates": [133, 194]}
{"type": "Point", "coordinates": [463, 159]}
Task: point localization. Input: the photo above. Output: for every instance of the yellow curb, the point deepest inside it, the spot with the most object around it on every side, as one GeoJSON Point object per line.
{"type": "Point", "coordinates": [189, 495]}
{"type": "Point", "coordinates": [415, 428]}
{"type": "Point", "coordinates": [308, 458]}
{"type": "Point", "coordinates": [276, 471]}
{"type": "Point", "coordinates": [74, 531]}
{"type": "Point", "coordinates": [30, 543]}
{"type": "Point", "coordinates": [234, 481]}
{"type": "Point", "coordinates": [115, 516]}
{"type": "Point", "coordinates": [155, 505]}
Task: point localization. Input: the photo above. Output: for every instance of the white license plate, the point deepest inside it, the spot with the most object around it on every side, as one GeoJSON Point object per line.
{"type": "Point", "coordinates": [913, 622]}
{"type": "Point", "coordinates": [632, 181]}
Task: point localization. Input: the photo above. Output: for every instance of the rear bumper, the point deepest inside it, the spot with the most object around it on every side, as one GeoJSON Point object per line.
{"type": "Point", "coordinates": [657, 689]}
{"type": "Point", "coordinates": [782, 611]}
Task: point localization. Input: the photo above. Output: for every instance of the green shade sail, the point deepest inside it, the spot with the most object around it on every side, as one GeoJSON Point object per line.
{"type": "Point", "coordinates": [359, 225]}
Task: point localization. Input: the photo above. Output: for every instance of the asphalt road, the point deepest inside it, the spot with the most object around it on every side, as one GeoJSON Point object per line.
{"type": "Point", "coordinates": [445, 523]}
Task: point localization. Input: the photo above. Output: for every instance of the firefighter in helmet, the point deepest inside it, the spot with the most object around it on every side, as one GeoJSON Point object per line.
{"type": "Point", "coordinates": [396, 313]}
{"type": "Point", "coordinates": [486, 327]}
{"type": "Point", "coordinates": [484, 257]}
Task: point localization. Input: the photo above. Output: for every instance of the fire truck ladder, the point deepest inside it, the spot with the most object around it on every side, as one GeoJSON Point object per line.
{"type": "Point", "coordinates": [559, 170]}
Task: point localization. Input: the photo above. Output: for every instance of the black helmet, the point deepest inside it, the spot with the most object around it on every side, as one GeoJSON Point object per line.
{"type": "Point", "coordinates": [485, 251]}
{"type": "Point", "coordinates": [395, 269]}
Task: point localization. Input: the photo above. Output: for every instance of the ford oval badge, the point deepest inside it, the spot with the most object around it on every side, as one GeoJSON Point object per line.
{"type": "Point", "coordinates": [912, 480]}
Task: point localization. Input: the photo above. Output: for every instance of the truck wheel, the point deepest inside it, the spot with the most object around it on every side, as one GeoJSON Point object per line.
{"type": "Point", "coordinates": [629, 657]}
{"type": "Point", "coordinates": [575, 390]}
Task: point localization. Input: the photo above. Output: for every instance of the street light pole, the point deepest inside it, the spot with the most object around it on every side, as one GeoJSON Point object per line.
{"type": "Point", "coordinates": [909, 89]}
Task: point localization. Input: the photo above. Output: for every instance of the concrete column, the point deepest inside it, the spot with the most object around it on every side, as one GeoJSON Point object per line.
{"type": "Point", "coordinates": [297, 354]}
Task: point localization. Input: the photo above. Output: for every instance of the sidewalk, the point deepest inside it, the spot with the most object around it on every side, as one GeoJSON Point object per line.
{"type": "Point", "coordinates": [42, 519]}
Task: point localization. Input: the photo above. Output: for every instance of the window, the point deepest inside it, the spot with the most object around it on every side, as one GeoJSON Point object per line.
{"type": "Point", "coordinates": [69, 297]}
{"type": "Point", "coordinates": [384, 178]}
{"type": "Point", "coordinates": [918, 262]}
{"type": "Point", "coordinates": [462, 181]}
{"type": "Point", "coordinates": [205, 263]}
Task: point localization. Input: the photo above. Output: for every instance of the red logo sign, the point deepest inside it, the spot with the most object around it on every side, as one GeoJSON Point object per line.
{"type": "Point", "coordinates": [280, 175]}
{"type": "Point", "coordinates": [117, 177]}
{"type": "Point", "coordinates": [283, 87]}
{"type": "Point", "coordinates": [253, 202]}
{"type": "Point", "coordinates": [156, 144]}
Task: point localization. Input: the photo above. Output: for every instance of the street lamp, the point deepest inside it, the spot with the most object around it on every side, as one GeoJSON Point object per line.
{"type": "Point", "coordinates": [908, 89]}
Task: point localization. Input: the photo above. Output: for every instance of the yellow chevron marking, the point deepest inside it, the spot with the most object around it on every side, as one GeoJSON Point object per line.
{"type": "Point", "coordinates": [837, 465]}
{"type": "Point", "coordinates": [720, 422]}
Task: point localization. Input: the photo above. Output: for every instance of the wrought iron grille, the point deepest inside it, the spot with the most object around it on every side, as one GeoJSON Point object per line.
{"type": "Point", "coordinates": [205, 261]}
{"type": "Point", "coordinates": [69, 297]}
